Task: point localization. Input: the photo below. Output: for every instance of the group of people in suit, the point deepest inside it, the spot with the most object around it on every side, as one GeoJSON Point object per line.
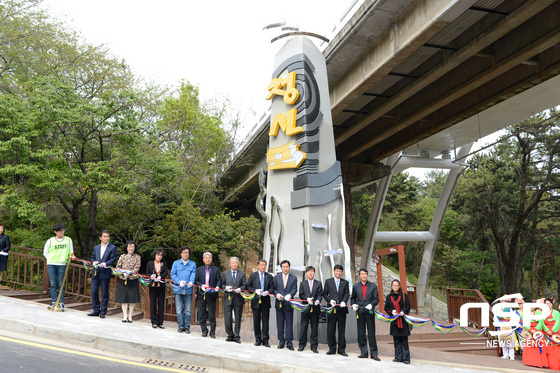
{"type": "Point", "coordinates": [283, 286]}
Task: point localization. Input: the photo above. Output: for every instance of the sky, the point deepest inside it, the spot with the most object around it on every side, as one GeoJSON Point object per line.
{"type": "Point", "coordinates": [219, 45]}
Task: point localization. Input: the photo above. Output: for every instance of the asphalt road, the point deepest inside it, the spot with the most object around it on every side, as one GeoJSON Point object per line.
{"type": "Point", "coordinates": [29, 357]}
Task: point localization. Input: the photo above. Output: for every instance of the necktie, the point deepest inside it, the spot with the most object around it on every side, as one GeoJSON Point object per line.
{"type": "Point", "coordinates": [234, 276]}
{"type": "Point", "coordinates": [262, 281]}
{"type": "Point", "coordinates": [311, 287]}
{"type": "Point", "coordinates": [284, 281]}
{"type": "Point", "coordinates": [337, 286]}
{"type": "Point", "coordinates": [207, 276]}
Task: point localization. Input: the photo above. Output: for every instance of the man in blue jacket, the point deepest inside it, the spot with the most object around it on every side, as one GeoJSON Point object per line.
{"type": "Point", "coordinates": [285, 288]}
{"type": "Point", "coordinates": [182, 274]}
{"type": "Point", "coordinates": [104, 255]}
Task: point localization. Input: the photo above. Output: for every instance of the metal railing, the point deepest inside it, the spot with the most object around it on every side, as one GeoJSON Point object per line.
{"type": "Point", "coordinates": [457, 297]}
{"type": "Point", "coordinates": [26, 271]}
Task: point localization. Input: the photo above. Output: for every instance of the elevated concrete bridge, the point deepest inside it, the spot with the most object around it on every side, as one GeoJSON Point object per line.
{"type": "Point", "coordinates": [425, 78]}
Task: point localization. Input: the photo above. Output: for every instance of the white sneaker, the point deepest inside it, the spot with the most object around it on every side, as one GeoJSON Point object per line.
{"type": "Point", "coordinates": [512, 357]}
{"type": "Point", "coordinates": [505, 357]}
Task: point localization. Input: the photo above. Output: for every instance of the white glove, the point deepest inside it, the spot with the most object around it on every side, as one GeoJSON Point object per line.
{"type": "Point", "coordinates": [309, 300]}
{"type": "Point", "coordinates": [394, 312]}
{"type": "Point", "coordinates": [159, 277]}
{"type": "Point", "coordinates": [189, 284]}
{"type": "Point", "coordinates": [95, 264]}
{"type": "Point", "coordinates": [203, 288]}
{"type": "Point", "coordinates": [182, 284]}
{"type": "Point", "coordinates": [125, 275]}
{"type": "Point", "coordinates": [402, 313]}
{"type": "Point", "coordinates": [287, 297]}
{"type": "Point", "coordinates": [228, 289]}
{"type": "Point", "coordinates": [333, 302]}
{"type": "Point", "coordinates": [317, 302]}
{"type": "Point", "coordinates": [369, 307]}
{"type": "Point", "coordinates": [103, 265]}
{"type": "Point", "coordinates": [238, 290]}
{"type": "Point", "coordinates": [266, 294]}
{"type": "Point", "coordinates": [258, 291]}
{"type": "Point", "coordinates": [342, 304]}
{"type": "Point", "coordinates": [153, 276]}
{"type": "Point", "coordinates": [355, 307]}
{"type": "Point", "coordinates": [279, 296]}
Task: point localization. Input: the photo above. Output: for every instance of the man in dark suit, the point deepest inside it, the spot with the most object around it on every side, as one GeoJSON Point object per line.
{"type": "Point", "coordinates": [311, 291]}
{"type": "Point", "coordinates": [104, 255]}
{"type": "Point", "coordinates": [261, 283]}
{"type": "Point", "coordinates": [207, 276]}
{"type": "Point", "coordinates": [285, 288]}
{"type": "Point", "coordinates": [337, 291]}
{"type": "Point", "coordinates": [364, 300]}
{"type": "Point", "coordinates": [234, 282]}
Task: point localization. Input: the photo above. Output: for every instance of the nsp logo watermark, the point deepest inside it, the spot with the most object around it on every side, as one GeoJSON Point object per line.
{"type": "Point", "coordinates": [506, 315]}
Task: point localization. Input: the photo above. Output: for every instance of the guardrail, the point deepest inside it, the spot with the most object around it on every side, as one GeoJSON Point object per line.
{"type": "Point", "coordinates": [27, 271]}
{"type": "Point", "coordinates": [457, 297]}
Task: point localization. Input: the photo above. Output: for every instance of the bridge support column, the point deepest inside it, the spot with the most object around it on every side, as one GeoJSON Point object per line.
{"type": "Point", "coordinates": [435, 227]}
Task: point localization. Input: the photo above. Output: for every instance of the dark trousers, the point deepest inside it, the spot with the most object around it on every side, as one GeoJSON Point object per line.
{"type": "Point", "coordinates": [285, 316]}
{"type": "Point", "coordinates": [313, 318]}
{"type": "Point", "coordinates": [230, 307]}
{"type": "Point", "coordinates": [366, 319]}
{"type": "Point", "coordinates": [261, 316]}
{"type": "Point", "coordinates": [335, 320]}
{"type": "Point", "coordinates": [402, 352]}
{"type": "Point", "coordinates": [157, 303]}
{"type": "Point", "coordinates": [203, 315]}
{"type": "Point", "coordinates": [96, 284]}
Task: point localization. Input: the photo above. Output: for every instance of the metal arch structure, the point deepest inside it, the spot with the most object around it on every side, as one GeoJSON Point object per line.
{"type": "Point", "coordinates": [400, 163]}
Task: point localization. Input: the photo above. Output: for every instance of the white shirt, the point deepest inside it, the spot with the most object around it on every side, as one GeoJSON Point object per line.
{"type": "Point", "coordinates": [102, 251]}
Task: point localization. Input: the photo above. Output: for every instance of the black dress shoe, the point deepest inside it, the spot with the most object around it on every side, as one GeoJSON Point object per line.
{"type": "Point", "coordinates": [301, 348]}
{"type": "Point", "coordinates": [238, 341]}
{"type": "Point", "coordinates": [93, 314]}
{"type": "Point", "coordinates": [315, 351]}
{"type": "Point", "coordinates": [291, 348]}
{"type": "Point", "coordinates": [212, 335]}
{"type": "Point", "coordinates": [161, 326]}
{"type": "Point", "coordinates": [102, 315]}
{"type": "Point", "coordinates": [363, 356]}
{"type": "Point", "coordinates": [331, 352]}
{"type": "Point", "coordinates": [343, 353]}
{"type": "Point", "coordinates": [406, 362]}
{"type": "Point", "coordinates": [153, 325]}
{"type": "Point", "coordinates": [187, 330]}
{"type": "Point", "coordinates": [257, 343]}
{"type": "Point", "coordinates": [375, 358]}
{"type": "Point", "coordinates": [205, 334]}
{"type": "Point", "coordinates": [180, 330]}
{"type": "Point", "coordinates": [229, 339]}
{"type": "Point", "coordinates": [130, 321]}
{"type": "Point", "coordinates": [396, 361]}
{"type": "Point", "coordinates": [265, 344]}
{"type": "Point", "coordinates": [280, 347]}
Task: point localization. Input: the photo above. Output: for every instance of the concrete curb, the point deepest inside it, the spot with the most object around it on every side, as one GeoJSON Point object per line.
{"type": "Point", "coordinates": [140, 340]}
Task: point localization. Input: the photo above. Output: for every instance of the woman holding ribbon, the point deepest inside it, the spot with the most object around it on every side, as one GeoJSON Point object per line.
{"type": "Point", "coordinates": [157, 270]}
{"type": "Point", "coordinates": [4, 248]}
{"type": "Point", "coordinates": [398, 304]}
{"type": "Point", "coordinates": [128, 292]}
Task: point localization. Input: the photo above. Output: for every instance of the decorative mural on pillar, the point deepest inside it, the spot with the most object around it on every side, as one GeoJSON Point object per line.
{"type": "Point", "coordinates": [304, 214]}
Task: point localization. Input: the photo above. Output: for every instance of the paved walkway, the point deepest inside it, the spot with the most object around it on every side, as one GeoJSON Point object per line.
{"type": "Point", "coordinates": [140, 340]}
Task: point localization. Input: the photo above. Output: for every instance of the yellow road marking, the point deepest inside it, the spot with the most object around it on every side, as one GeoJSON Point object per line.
{"type": "Point", "coordinates": [86, 354]}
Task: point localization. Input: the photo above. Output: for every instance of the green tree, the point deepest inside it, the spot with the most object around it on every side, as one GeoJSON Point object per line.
{"type": "Point", "coordinates": [509, 195]}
